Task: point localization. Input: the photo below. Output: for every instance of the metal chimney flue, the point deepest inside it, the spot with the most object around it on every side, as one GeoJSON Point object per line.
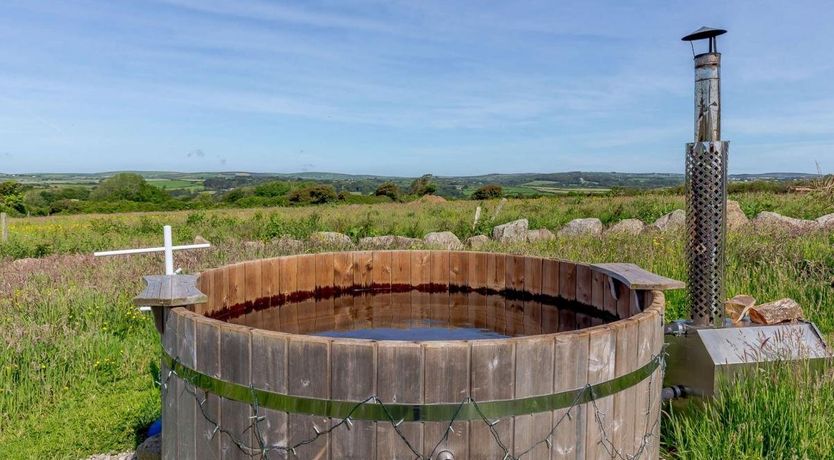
{"type": "Point", "coordinates": [706, 188]}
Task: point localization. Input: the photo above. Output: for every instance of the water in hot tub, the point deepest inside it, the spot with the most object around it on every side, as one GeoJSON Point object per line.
{"type": "Point", "coordinates": [415, 316]}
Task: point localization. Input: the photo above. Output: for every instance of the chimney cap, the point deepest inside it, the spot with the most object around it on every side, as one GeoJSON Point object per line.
{"type": "Point", "coordinates": [702, 33]}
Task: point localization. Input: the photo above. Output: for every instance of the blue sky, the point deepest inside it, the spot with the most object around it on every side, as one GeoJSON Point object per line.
{"type": "Point", "coordinates": [406, 87]}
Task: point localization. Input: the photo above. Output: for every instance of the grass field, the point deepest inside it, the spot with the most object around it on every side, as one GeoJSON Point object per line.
{"type": "Point", "coordinates": [77, 368]}
{"type": "Point", "coordinates": [177, 184]}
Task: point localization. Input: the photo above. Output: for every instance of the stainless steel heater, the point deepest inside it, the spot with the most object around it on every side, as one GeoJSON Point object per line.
{"type": "Point", "coordinates": [707, 348]}
{"type": "Point", "coordinates": [706, 188]}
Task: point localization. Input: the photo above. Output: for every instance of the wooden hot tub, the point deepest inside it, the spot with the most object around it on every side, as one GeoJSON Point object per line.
{"type": "Point", "coordinates": [573, 372]}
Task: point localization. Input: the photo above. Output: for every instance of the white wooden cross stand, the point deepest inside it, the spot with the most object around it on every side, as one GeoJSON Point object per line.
{"type": "Point", "coordinates": [170, 289]}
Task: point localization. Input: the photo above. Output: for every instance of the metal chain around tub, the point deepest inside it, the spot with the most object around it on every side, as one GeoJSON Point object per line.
{"type": "Point", "coordinates": [586, 395]}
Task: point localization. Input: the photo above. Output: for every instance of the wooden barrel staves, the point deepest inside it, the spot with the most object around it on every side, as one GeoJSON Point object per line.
{"type": "Point", "coordinates": [573, 371]}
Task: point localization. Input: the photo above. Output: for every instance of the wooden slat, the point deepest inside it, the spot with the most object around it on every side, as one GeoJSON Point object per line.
{"type": "Point", "coordinates": [636, 278]}
{"type": "Point", "coordinates": [623, 300]}
{"type": "Point", "coordinates": [514, 279]}
{"type": "Point", "coordinates": [186, 402]}
{"type": "Point", "coordinates": [645, 344]}
{"type": "Point", "coordinates": [550, 277]}
{"type": "Point", "coordinates": [598, 287]}
{"type": "Point", "coordinates": [533, 285]}
{"type": "Point", "coordinates": [533, 377]}
{"type": "Point", "coordinates": [458, 277]}
{"type": "Point", "coordinates": [343, 274]}
{"type": "Point", "coordinates": [236, 290]}
{"type": "Point", "coordinates": [399, 380]}
{"type": "Point", "coordinates": [235, 353]}
{"type": "Point", "coordinates": [363, 262]}
{"type": "Point", "coordinates": [325, 314]}
{"type": "Point", "coordinates": [440, 281]}
{"type": "Point", "coordinates": [306, 278]}
{"type": "Point", "coordinates": [655, 386]}
{"type": "Point", "coordinates": [171, 389]}
{"type": "Point", "coordinates": [207, 335]}
{"type": "Point", "coordinates": [309, 375]}
{"type": "Point", "coordinates": [446, 362]}
{"type": "Point", "coordinates": [609, 298]}
{"type": "Point", "coordinates": [270, 279]}
{"type": "Point", "coordinates": [269, 372]}
{"type": "Point", "coordinates": [288, 275]}
{"type": "Point", "coordinates": [567, 280]}
{"type": "Point", "coordinates": [420, 276]}
{"type": "Point", "coordinates": [622, 427]}
{"type": "Point", "coordinates": [571, 372]}
{"type": "Point", "coordinates": [550, 287]}
{"type": "Point", "coordinates": [204, 285]}
{"type": "Point", "coordinates": [220, 285]}
{"type": "Point", "coordinates": [601, 366]}
{"type": "Point", "coordinates": [383, 312]}
{"type": "Point", "coordinates": [253, 282]}
{"type": "Point", "coordinates": [493, 378]}
{"type": "Point", "coordinates": [477, 278]}
{"type": "Point", "coordinates": [496, 305]}
{"type": "Point", "coordinates": [584, 284]}
{"type": "Point", "coordinates": [353, 378]}
{"type": "Point", "coordinates": [343, 269]}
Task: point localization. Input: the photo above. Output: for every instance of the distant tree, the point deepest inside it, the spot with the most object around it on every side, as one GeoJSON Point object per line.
{"type": "Point", "coordinates": [423, 186]}
{"type": "Point", "coordinates": [10, 187]}
{"type": "Point", "coordinates": [389, 189]}
{"type": "Point", "coordinates": [487, 192]}
{"type": "Point", "coordinates": [273, 188]}
{"type": "Point", "coordinates": [128, 187]}
{"type": "Point", "coordinates": [313, 194]}
{"type": "Point", "coordinates": [12, 196]}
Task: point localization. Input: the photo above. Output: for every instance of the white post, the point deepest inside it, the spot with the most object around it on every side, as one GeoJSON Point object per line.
{"type": "Point", "coordinates": [4, 229]}
{"type": "Point", "coordinates": [169, 250]}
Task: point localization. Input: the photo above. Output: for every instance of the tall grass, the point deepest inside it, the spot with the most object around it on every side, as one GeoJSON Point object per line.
{"type": "Point", "coordinates": [77, 360]}
{"type": "Point", "coordinates": [779, 412]}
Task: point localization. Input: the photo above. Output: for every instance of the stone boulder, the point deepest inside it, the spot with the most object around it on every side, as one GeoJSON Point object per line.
{"type": "Point", "coordinates": [826, 222]}
{"type": "Point", "coordinates": [576, 227]}
{"type": "Point", "coordinates": [477, 241]}
{"type": "Point", "coordinates": [675, 220]}
{"type": "Point", "coordinates": [288, 245]}
{"type": "Point", "coordinates": [541, 234]}
{"type": "Point", "coordinates": [736, 218]}
{"type": "Point", "coordinates": [627, 227]}
{"type": "Point", "coordinates": [767, 220]}
{"type": "Point", "coordinates": [445, 240]}
{"type": "Point", "coordinates": [331, 239]}
{"type": "Point", "coordinates": [511, 232]}
{"type": "Point", "coordinates": [388, 242]}
{"type": "Point", "coordinates": [151, 449]}
{"type": "Point", "coordinates": [200, 240]}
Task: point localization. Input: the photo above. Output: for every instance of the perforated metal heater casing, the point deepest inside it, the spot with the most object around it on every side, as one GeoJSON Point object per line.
{"type": "Point", "coordinates": [706, 225]}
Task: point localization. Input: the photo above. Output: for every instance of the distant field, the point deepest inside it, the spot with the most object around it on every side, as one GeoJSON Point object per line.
{"type": "Point", "coordinates": [542, 188]}
{"type": "Point", "coordinates": [177, 184]}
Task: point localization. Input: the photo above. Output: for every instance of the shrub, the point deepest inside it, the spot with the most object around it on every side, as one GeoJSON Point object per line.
{"type": "Point", "coordinates": [389, 189]}
{"type": "Point", "coordinates": [313, 194]}
{"type": "Point", "coordinates": [128, 187]}
{"type": "Point", "coordinates": [487, 192]}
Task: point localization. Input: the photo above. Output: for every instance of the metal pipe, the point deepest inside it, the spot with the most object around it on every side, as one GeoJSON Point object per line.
{"type": "Point", "coordinates": [708, 97]}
